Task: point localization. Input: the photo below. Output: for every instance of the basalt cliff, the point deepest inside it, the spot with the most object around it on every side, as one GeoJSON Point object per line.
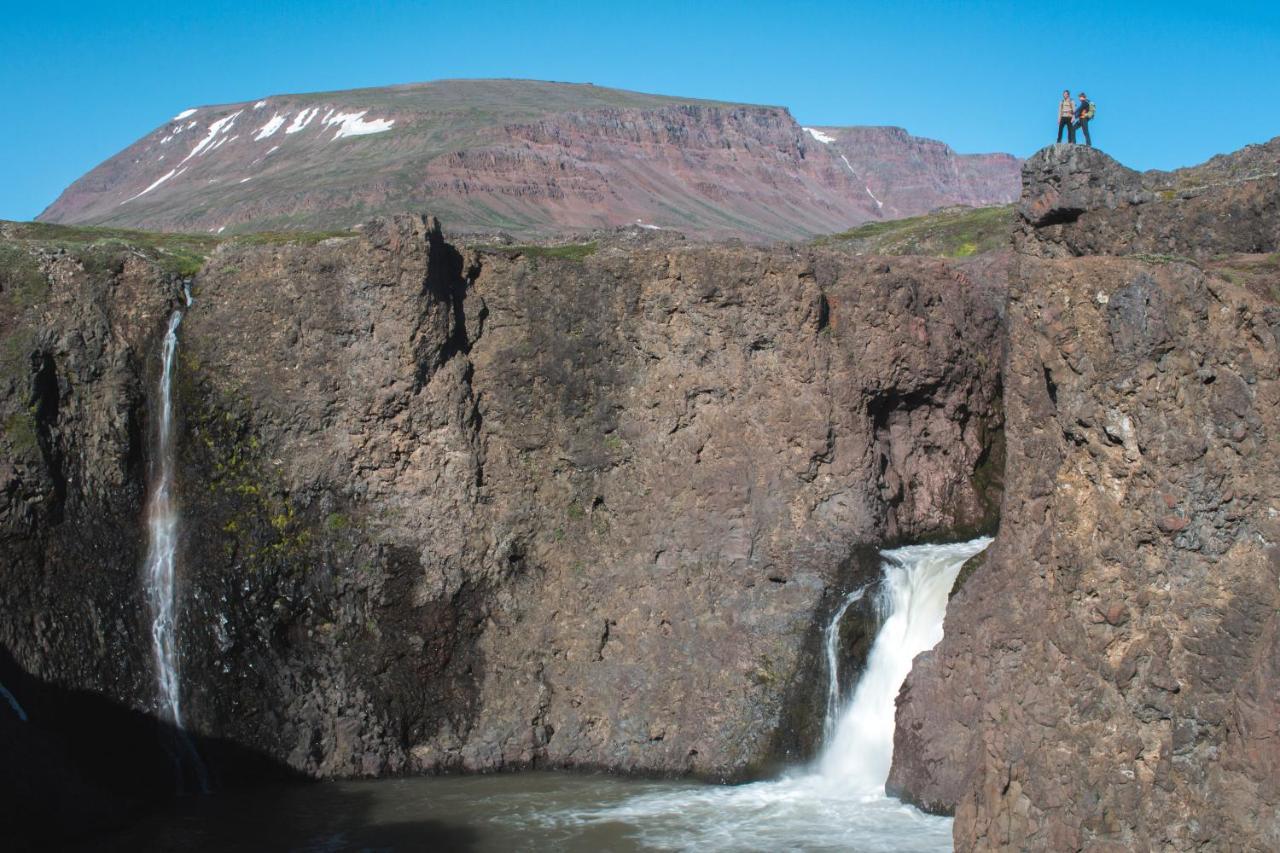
{"type": "Point", "coordinates": [1110, 674]}
{"type": "Point", "coordinates": [477, 508]}
{"type": "Point", "coordinates": [460, 505]}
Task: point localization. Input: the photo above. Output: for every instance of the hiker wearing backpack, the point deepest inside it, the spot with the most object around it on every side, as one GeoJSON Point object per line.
{"type": "Point", "coordinates": [1066, 117]}
{"type": "Point", "coordinates": [1084, 114]}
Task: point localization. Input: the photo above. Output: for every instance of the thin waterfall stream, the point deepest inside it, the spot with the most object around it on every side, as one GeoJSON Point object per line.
{"type": "Point", "coordinates": [831, 644]}
{"type": "Point", "coordinates": [160, 574]}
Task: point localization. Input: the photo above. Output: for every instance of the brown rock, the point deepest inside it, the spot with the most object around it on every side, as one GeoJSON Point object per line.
{"type": "Point", "coordinates": [1173, 745]}
{"type": "Point", "coordinates": [462, 509]}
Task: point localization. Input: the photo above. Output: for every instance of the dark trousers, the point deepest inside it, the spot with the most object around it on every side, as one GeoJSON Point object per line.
{"type": "Point", "coordinates": [1083, 124]}
{"type": "Point", "coordinates": [1071, 130]}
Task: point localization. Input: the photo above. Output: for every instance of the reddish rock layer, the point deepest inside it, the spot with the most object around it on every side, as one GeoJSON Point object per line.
{"type": "Point", "coordinates": [531, 159]}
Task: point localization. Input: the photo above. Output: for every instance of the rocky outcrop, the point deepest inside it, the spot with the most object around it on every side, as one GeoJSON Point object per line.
{"type": "Point", "coordinates": [522, 157]}
{"type": "Point", "coordinates": [453, 508]}
{"type": "Point", "coordinates": [1078, 201]}
{"type": "Point", "coordinates": [1108, 679]}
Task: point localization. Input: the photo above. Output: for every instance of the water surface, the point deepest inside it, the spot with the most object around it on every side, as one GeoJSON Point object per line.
{"type": "Point", "coordinates": [536, 811]}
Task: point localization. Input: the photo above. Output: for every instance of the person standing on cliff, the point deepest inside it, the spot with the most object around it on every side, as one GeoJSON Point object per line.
{"type": "Point", "coordinates": [1066, 117]}
{"type": "Point", "coordinates": [1084, 112]}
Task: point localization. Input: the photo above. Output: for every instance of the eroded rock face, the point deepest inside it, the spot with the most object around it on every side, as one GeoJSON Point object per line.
{"type": "Point", "coordinates": [908, 175]}
{"type": "Point", "coordinates": [1108, 678]}
{"type": "Point", "coordinates": [449, 508]}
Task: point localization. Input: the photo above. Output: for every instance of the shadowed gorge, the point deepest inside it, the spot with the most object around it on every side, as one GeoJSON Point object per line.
{"type": "Point", "coordinates": [452, 507]}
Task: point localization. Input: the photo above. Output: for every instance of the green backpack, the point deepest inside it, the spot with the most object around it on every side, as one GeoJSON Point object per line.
{"type": "Point", "coordinates": [1092, 111]}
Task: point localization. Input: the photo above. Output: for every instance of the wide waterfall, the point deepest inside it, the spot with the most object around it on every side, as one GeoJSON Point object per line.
{"type": "Point", "coordinates": [160, 574]}
{"type": "Point", "coordinates": [839, 802]}
{"type": "Point", "coordinates": [911, 603]}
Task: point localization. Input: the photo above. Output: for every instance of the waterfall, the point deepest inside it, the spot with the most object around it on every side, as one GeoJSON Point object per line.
{"type": "Point", "coordinates": [831, 643]}
{"type": "Point", "coordinates": [162, 528]}
{"type": "Point", "coordinates": [911, 603]}
{"type": "Point", "coordinates": [838, 803]}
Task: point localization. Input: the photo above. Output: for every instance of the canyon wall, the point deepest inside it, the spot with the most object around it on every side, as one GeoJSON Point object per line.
{"type": "Point", "coordinates": [910, 175]}
{"type": "Point", "coordinates": [1110, 674]}
{"type": "Point", "coordinates": [477, 508]}
{"type": "Point", "coordinates": [462, 508]}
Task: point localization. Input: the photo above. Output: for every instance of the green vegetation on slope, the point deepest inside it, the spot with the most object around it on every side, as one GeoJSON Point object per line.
{"type": "Point", "coordinates": [1257, 273]}
{"type": "Point", "coordinates": [569, 251]}
{"type": "Point", "coordinates": [21, 282]}
{"type": "Point", "coordinates": [182, 254]}
{"type": "Point", "coordinates": [950, 233]}
{"type": "Point", "coordinates": [179, 253]}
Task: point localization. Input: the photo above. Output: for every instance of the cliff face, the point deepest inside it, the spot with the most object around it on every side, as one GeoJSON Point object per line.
{"type": "Point", "coordinates": [78, 337]}
{"type": "Point", "coordinates": [462, 508]}
{"type": "Point", "coordinates": [476, 508]}
{"type": "Point", "coordinates": [522, 157]}
{"type": "Point", "coordinates": [909, 175]}
{"type": "Point", "coordinates": [1110, 674]}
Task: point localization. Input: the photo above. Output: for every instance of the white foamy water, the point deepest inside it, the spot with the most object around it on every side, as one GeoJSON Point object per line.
{"type": "Point", "coordinates": [839, 803]}
{"type": "Point", "coordinates": [831, 644]}
{"type": "Point", "coordinates": [162, 549]}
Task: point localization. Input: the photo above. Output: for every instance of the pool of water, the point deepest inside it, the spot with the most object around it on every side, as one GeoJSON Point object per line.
{"type": "Point", "coordinates": [537, 811]}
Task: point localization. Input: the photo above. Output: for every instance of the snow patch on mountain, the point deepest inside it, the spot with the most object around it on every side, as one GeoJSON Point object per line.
{"type": "Point", "coordinates": [180, 116]}
{"type": "Point", "coordinates": [824, 138]}
{"type": "Point", "coordinates": [269, 128]}
{"type": "Point", "coordinates": [156, 183]}
{"type": "Point", "coordinates": [353, 124]}
{"type": "Point", "coordinates": [222, 125]}
{"type": "Point", "coordinates": [302, 120]}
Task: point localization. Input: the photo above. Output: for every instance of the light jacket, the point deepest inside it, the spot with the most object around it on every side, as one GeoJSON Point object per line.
{"type": "Point", "coordinates": [1066, 109]}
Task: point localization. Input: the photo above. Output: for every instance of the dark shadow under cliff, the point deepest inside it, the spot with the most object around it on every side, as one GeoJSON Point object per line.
{"type": "Point", "coordinates": [78, 764]}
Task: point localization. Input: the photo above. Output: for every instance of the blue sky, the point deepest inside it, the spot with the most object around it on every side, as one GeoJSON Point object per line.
{"type": "Point", "coordinates": [1176, 82]}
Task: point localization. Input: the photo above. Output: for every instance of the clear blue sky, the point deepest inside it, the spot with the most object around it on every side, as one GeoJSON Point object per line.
{"type": "Point", "coordinates": [1176, 82]}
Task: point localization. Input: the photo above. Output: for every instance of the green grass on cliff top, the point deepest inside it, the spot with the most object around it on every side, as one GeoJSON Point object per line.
{"type": "Point", "coordinates": [568, 251]}
{"type": "Point", "coordinates": [179, 253]}
{"type": "Point", "coordinates": [183, 254]}
{"type": "Point", "coordinates": [949, 233]}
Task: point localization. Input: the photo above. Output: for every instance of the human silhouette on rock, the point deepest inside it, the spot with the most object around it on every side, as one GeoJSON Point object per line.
{"type": "Point", "coordinates": [1066, 117]}
{"type": "Point", "coordinates": [1073, 117]}
{"type": "Point", "coordinates": [1084, 114]}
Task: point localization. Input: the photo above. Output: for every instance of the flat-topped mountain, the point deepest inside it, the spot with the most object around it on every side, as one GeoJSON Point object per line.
{"type": "Point", "coordinates": [531, 158]}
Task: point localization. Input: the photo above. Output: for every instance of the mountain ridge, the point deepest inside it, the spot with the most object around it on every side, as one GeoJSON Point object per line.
{"type": "Point", "coordinates": [532, 158]}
